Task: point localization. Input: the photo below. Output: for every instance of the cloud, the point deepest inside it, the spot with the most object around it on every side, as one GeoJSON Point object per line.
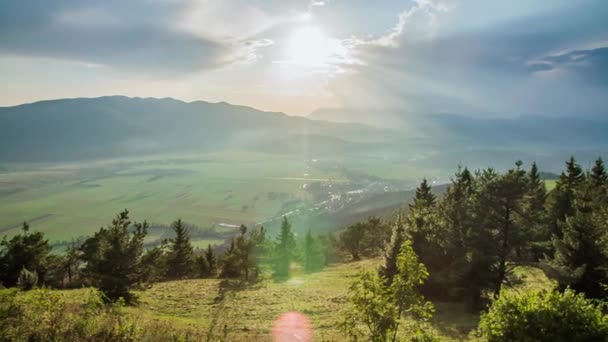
{"type": "Point", "coordinates": [145, 36]}
{"type": "Point", "coordinates": [440, 57]}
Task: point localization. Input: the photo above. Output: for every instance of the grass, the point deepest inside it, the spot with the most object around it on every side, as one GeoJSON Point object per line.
{"type": "Point", "coordinates": [69, 200]}
{"type": "Point", "coordinates": [246, 312]}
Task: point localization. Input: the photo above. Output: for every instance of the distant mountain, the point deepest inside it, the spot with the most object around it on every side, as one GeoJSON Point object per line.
{"type": "Point", "coordinates": [577, 132]}
{"type": "Point", "coordinates": [118, 126]}
{"type": "Point", "coordinates": [89, 128]}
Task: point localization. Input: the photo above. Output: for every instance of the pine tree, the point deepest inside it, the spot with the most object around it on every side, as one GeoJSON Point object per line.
{"type": "Point", "coordinates": [598, 181]}
{"type": "Point", "coordinates": [389, 269]}
{"type": "Point", "coordinates": [562, 197]}
{"type": "Point", "coordinates": [455, 214]}
{"type": "Point", "coordinates": [180, 259]}
{"type": "Point", "coordinates": [114, 256]}
{"type": "Point", "coordinates": [313, 260]}
{"type": "Point", "coordinates": [230, 262]}
{"type": "Point", "coordinates": [536, 216]}
{"type": "Point", "coordinates": [210, 257]}
{"type": "Point", "coordinates": [581, 253]}
{"type": "Point", "coordinates": [284, 249]}
{"type": "Point", "coordinates": [202, 266]}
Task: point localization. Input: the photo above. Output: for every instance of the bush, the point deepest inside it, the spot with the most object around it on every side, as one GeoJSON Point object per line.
{"type": "Point", "coordinates": [48, 315]}
{"type": "Point", "coordinates": [544, 316]}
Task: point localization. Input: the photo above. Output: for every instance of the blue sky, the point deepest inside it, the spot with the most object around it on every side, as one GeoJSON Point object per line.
{"type": "Point", "coordinates": [470, 57]}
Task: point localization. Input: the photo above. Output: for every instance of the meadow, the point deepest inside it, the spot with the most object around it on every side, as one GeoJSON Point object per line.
{"type": "Point", "coordinates": [231, 310]}
{"type": "Point", "coordinates": [219, 190]}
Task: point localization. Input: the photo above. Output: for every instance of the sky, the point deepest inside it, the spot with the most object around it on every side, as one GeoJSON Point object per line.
{"type": "Point", "coordinates": [467, 57]}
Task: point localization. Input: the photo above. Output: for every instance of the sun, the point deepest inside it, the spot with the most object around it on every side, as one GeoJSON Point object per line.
{"type": "Point", "coordinates": [309, 46]}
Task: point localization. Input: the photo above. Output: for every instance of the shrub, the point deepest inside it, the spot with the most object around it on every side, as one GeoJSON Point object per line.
{"type": "Point", "coordinates": [544, 316]}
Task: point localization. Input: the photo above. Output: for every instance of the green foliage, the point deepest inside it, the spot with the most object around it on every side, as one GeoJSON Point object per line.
{"type": "Point", "coordinates": [380, 312]}
{"type": "Point", "coordinates": [561, 200]}
{"type": "Point", "coordinates": [211, 261]}
{"type": "Point", "coordinates": [180, 259]}
{"type": "Point", "coordinates": [27, 280]}
{"type": "Point", "coordinates": [313, 255]}
{"type": "Point", "coordinates": [242, 258]}
{"type": "Point", "coordinates": [389, 268]}
{"type": "Point", "coordinates": [352, 238]}
{"type": "Point", "coordinates": [544, 316]}
{"type": "Point", "coordinates": [26, 250]}
{"type": "Point", "coordinates": [284, 252]}
{"type": "Point", "coordinates": [365, 238]}
{"type": "Point", "coordinates": [113, 256]}
{"type": "Point", "coordinates": [581, 254]}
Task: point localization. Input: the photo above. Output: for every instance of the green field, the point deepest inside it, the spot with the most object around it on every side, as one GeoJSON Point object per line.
{"type": "Point", "coordinates": [207, 190]}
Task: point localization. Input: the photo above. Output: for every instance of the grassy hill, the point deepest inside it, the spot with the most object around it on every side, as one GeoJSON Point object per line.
{"type": "Point", "coordinates": [215, 309]}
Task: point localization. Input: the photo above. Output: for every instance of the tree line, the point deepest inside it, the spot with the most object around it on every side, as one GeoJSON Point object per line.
{"type": "Point", "coordinates": [115, 260]}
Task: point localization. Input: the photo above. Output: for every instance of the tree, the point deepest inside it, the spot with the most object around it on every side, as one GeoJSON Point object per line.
{"type": "Point", "coordinates": [377, 309]}
{"type": "Point", "coordinates": [377, 235]}
{"type": "Point", "coordinates": [230, 262]}
{"type": "Point", "coordinates": [536, 216]}
{"type": "Point", "coordinates": [154, 264]}
{"type": "Point", "coordinates": [313, 259]}
{"type": "Point", "coordinates": [284, 249]}
{"type": "Point", "coordinates": [180, 259]}
{"type": "Point", "coordinates": [581, 253]}
{"type": "Point", "coordinates": [427, 236]}
{"type": "Point", "coordinates": [113, 256]}
{"type": "Point", "coordinates": [598, 181]}
{"type": "Point", "coordinates": [504, 210]}
{"type": "Point", "coordinates": [544, 316]}
{"type": "Point", "coordinates": [210, 257]}
{"type": "Point", "coordinates": [352, 238]}
{"type": "Point", "coordinates": [455, 214]}
{"type": "Point", "coordinates": [389, 268]}
{"type": "Point", "coordinates": [23, 251]}
{"type": "Point", "coordinates": [202, 266]}
{"type": "Point", "coordinates": [562, 197]}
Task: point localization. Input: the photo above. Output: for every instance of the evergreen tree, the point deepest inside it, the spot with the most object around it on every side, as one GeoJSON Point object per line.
{"type": "Point", "coordinates": [598, 181]}
{"type": "Point", "coordinates": [230, 262]}
{"type": "Point", "coordinates": [536, 216]}
{"type": "Point", "coordinates": [389, 268]}
{"type": "Point", "coordinates": [562, 197]}
{"type": "Point", "coordinates": [180, 259]}
{"type": "Point", "coordinates": [284, 249]}
{"type": "Point", "coordinates": [113, 257]}
{"type": "Point", "coordinates": [245, 253]}
{"type": "Point", "coordinates": [154, 264]}
{"type": "Point", "coordinates": [427, 236]}
{"type": "Point", "coordinates": [313, 259]}
{"type": "Point", "coordinates": [202, 266]}
{"type": "Point", "coordinates": [581, 253]}
{"type": "Point", "coordinates": [23, 251]}
{"type": "Point", "coordinates": [210, 257]}
{"type": "Point", "coordinates": [329, 245]}
{"type": "Point", "coordinates": [455, 214]}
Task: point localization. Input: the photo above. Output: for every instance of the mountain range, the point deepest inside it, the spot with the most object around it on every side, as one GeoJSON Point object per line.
{"type": "Point", "coordinates": [118, 126]}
